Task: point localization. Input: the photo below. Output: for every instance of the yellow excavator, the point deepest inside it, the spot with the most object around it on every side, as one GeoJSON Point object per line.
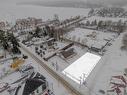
{"type": "Point", "coordinates": [17, 63]}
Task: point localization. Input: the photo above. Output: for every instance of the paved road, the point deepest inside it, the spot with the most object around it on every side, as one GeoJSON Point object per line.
{"type": "Point", "coordinates": [72, 23]}
{"type": "Point", "coordinates": [53, 73]}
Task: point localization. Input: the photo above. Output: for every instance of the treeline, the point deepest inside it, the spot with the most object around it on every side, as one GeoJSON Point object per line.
{"type": "Point", "coordinates": [118, 26]}
{"type": "Point", "coordinates": [108, 12]}
{"type": "Point", "coordinates": [9, 42]}
{"type": "Point", "coordinates": [124, 42]}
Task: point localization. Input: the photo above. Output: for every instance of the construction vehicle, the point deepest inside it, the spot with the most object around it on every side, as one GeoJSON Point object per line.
{"type": "Point", "coordinates": [17, 63]}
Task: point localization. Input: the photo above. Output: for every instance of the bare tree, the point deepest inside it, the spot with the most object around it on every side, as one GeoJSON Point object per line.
{"type": "Point", "coordinates": [124, 41]}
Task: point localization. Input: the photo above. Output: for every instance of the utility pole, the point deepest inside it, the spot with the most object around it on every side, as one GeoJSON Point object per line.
{"type": "Point", "coordinates": [52, 87]}
{"type": "Point", "coordinates": [80, 81]}
{"type": "Point", "coordinates": [57, 67]}
{"type": "Point", "coordinates": [84, 77]}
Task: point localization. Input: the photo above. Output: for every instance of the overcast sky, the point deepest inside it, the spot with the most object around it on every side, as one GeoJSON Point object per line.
{"type": "Point", "coordinates": [118, 2]}
{"type": "Point", "coordinates": [113, 2]}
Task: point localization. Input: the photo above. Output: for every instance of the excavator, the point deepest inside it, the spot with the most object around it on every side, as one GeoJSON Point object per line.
{"type": "Point", "coordinates": [17, 63]}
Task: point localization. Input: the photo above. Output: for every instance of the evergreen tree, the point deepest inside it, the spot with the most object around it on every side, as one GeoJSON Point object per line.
{"type": "Point", "coordinates": [87, 23]}
{"type": "Point", "coordinates": [5, 38]}
{"type": "Point", "coordinates": [37, 32]}
{"type": "Point", "coordinates": [94, 23]}
{"type": "Point", "coordinates": [120, 26]}
{"type": "Point", "coordinates": [91, 12]}
{"type": "Point", "coordinates": [14, 40]}
{"type": "Point", "coordinates": [99, 26]}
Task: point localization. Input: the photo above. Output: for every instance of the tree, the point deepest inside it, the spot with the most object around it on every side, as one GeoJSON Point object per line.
{"type": "Point", "coordinates": [120, 26]}
{"type": "Point", "coordinates": [2, 35]}
{"type": "Point", "coordinates": [124, 41]}
{"type": "Point", "coordinates": [16, 50]}
{"type": "Point", "coordinates": [94, 23]}
{"type": "Point", "coordinates": [6, 39]}
{"type": "Point", "coordinates": [44, 32]}
{"type": "Point", "coordinates": [5, 45]}
{"type": "Point", "coordinates": [13, 40]}
{"type": "Point", "coordinates": [91, 12]}
{"type": "Point", "coordinates": [37, 32]}
{"type": "Point", "coordinates": [100, 25]}
{"type": "Point", "coordinates": [41, 46]}
{"type": "Point", "coordinates": [48, 30]}
{"type": "Point", "coordinates": [108, 23]}
{"type": "Point", "coordinates": [36, 48]}
{"type": "Point", "coordinates": [87, 23]}
{"type": "Point", "coordinates": [56, 17]}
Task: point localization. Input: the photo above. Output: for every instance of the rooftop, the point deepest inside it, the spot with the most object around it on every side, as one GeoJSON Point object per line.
{"type": "Point", "coordinates": [83, 66]}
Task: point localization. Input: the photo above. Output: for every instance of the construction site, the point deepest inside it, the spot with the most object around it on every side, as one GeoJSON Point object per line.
{"type": "Point", "coordinates": [62, 50]}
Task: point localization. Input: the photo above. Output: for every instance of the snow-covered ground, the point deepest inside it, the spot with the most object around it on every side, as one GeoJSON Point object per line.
{"type": "Point", "coordinates": [82, 89]}
{"type": "Point", "coordinates": [64, 63]}
{"type": "Point", "coordinates": [113, 19]}
{"type": "Point", "coordinates": [54, 85]}
{"type": "Point", "coordinates": [113, 64]}
{"type": "Point", "coordinates": [90, 37]}
{"type": "Point", "coordinates": [13, 12]}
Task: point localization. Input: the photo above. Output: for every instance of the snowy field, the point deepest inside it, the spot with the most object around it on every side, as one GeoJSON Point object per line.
{"type": "Point", "coordinates": [113, 19]}
{"type": "Point", "coordinates": [90, 37]}
{"type": "Point", "coordinates": [13, 12]}
{"type": "Point", "coordinates": [113, 64]}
